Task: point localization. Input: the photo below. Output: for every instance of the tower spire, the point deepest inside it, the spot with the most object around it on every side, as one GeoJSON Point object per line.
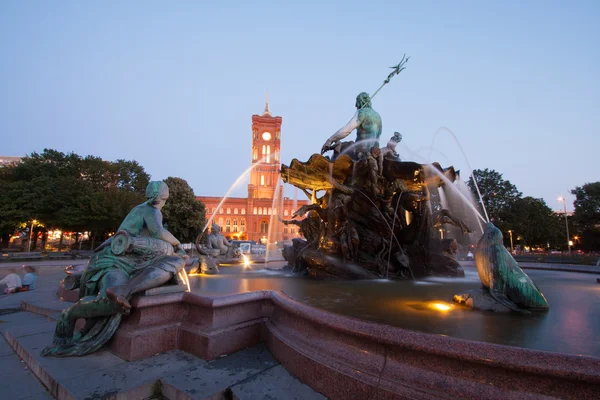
{"type": "Point", "coordinates": [267, 112]}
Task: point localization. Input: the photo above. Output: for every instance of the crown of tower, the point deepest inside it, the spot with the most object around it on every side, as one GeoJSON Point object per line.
{"type": "Point", "coordinates": [267, 112]}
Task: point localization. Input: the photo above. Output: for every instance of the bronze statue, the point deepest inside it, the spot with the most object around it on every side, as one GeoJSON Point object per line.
{"type": "Point", "coordinates": [367, 123]}
{"type": "Point", "coordinates": [219, 243]}
{"type": "Point", "coordinates": [375, 219]}
{"type": "Point", "coordinates": [389, 151]}
{"type": "Point", "coordinates": [140, 256]}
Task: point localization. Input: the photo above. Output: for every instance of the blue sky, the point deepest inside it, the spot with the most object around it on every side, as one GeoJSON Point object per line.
{"type": "Point", "coordinates": [174, 86]}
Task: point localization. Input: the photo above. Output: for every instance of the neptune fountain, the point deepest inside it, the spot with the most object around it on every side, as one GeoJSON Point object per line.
{"type": "Point", "coordinates": [371, 217]}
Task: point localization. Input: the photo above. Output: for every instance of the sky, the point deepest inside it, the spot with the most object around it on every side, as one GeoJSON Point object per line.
{"type": "Point", "coordinates": [173, 85]}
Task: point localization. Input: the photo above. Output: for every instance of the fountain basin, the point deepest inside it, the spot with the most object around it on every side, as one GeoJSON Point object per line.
{"type": "Point", "coordinates": [342, 356]}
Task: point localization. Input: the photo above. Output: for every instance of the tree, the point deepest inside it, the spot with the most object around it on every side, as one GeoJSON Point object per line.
{"type": "Point", "coordinates": [183, 213]}
{"type": "Point", "coordinates": [587, 214]}
{"type": "Point", "coordinates": [10, 215]}
{"type": "Point", "coordinates": [69, 192]}
{"type": "Point", "coordinates": [498, 194]}
{"type": "Point", "coordinates": [534, 222]}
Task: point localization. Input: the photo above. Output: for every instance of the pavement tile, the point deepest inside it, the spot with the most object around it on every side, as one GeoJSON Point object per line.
{"type": "Point", "coordinates": [24, 323]}
{"type": "Point", "coordinates": [63, 369]}
{"type": "Point", "coordinates": [5, 348]}
{"type": "Point", "coordinates": [40, 396]}
{"type": "Point", "coordinates": [17, 380]}
{"type": "Point", "coordinates": [130, 375]}
{"type": "Point", "coordinates": [275, 383]}
{"type": "Point", "coordinates": [218, 375]}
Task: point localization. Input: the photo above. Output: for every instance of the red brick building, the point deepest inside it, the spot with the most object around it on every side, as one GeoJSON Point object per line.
{"type": "Point", "coordinates": [249, 218]}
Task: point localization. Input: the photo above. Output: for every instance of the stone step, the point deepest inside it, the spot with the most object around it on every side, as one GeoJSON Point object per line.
{"type": "Point", "coordinates": [248, 374]}
{"type": "Point", "coordinates": [18, 381]}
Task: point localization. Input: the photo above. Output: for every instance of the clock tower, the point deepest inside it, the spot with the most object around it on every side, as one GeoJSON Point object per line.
{"type": "Point", "coordinates": [257, 217]}
{"type": "Point", "coordinates": [266, 139]}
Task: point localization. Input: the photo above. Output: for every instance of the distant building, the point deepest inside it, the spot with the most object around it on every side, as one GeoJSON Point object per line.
{"type": "Point", "coordinates": [562, 213]}
{"type": "Point", "coordinates": [7, 160]}
{"type": "Point", "coordinates": [249, 218]}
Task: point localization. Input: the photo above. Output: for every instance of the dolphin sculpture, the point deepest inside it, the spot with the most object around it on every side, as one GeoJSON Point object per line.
{"type": "Point", "coordinates": [501, 275]}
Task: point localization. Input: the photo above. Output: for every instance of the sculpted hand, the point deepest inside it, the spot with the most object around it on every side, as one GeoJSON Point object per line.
{"type": "Point", "coordinates": [326, 146]}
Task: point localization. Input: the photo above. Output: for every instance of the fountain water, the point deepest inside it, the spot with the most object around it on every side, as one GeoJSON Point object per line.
{"type": "Point", "coordinates": [445, 129]}
{"type": "Point", "coordinates": [275, 225]}
{"type": "Point", "coordinates": [449, 184]}
{"type": "Point", "coordinates": [231, 188]}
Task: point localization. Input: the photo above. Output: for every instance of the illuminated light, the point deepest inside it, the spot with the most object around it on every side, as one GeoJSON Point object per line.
{"type": "Point", "coordinates": [439, 306]}
{"type": "Point", "coordinates": [246, 261]}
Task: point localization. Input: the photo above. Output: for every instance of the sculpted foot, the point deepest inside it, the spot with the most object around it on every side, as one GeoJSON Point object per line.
{"type": "Point", "coordinates": [119, 295]}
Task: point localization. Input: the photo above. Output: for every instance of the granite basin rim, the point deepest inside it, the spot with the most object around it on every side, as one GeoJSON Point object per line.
{"type": "Point", "coordinates": [579, 367]}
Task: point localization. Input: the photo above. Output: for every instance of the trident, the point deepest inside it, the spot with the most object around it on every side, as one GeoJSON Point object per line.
{"type": "Point", "coordinates": [396, 70]}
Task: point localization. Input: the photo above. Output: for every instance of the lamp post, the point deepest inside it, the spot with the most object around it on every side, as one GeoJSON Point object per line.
{"type": "Point", "coordinates": [30, 235]}
{"type": "Point", "coordinates": [511, 242]}
{"type": "Point", "coordinates": [562, 199]}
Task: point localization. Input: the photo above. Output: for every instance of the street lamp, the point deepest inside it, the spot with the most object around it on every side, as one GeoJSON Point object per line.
{"type": "Point", "coordinates": [562, 199]}
{"type": "Point", "coordinates": [511, 242]}
{"type": "Point", "coordinates": [30, 234]}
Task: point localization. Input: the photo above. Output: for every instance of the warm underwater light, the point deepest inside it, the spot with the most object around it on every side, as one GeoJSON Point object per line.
{"type": "Point", "coordinates": [441, 306]}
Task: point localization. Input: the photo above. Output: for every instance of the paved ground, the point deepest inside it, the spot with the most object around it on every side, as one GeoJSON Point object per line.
{"type": "Point", "coordinates": [43, 263]}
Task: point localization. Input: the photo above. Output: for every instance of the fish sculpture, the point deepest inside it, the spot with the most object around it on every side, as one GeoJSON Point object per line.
{"type": "Point", "coordinates": [501, 275]}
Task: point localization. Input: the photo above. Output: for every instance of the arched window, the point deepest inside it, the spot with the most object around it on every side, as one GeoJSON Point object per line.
{"type": "Point", "coordinates": [285, 229]}
{"type": "Point", "coordinates": [221, 222]}
{"type": "Point", "coordinates": [227, 225]}
{"type": "Point", "coordinates": [268, 180]}
{"type": "Point", "coordinates": [221, 211]}
{"type": "Point", "coordinates": [268, 153]}
{"type": "Point", "coordinates": [264, 153]}
{"type": "Point", "coordinates": [235, 210]}
{"type": "Point", "coordinates": [255, 211]}
{"type": "Point", "coordinates": [292, 229]}
{"type": "Point", "coordinates": [243, 211]}
{"type": "Point", "coordinates": [264, 227]}
{"type": "Point", "coordinates": [243, 224]}
{"type": "Point", "coordinates": [213, 210]}
{"type": "Point", "coordinates": [235, 225]}
{"type": "Point", "coordinates": [269, 210]}
{"type": "Point", "coordinates": [285, 212]}
{"type": "Point", "coordinates": [254, 153]}
{"type": "Point", "coordinates": [228, 210]}
{"type": "Point", "coordinates": [262, 180]}
{"type": "Point", "coordinates": [259, 210]}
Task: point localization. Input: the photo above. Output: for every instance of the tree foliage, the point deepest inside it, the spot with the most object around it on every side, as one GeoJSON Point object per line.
{"type": "Point", "coordinates": [587, 214]}
{"type": "Point", "coordinates": [69, 192]}
{"type": "Point", "coordinates": [534, 222]}
{"type": "Point", "coordinates": [498, 194]}
{"type": "Point", "coordinates": [183, 213]}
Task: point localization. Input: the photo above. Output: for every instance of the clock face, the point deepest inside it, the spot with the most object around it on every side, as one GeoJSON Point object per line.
{"type": "Point", "coordinates": [266, 136]}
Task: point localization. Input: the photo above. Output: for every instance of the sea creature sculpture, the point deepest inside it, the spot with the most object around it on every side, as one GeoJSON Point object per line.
{"type": "Point", "coordinates": [501, 275]}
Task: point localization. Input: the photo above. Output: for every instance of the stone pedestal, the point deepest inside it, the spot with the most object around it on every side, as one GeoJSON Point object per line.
{"type": "Point", "coordinates": [480, 299]}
